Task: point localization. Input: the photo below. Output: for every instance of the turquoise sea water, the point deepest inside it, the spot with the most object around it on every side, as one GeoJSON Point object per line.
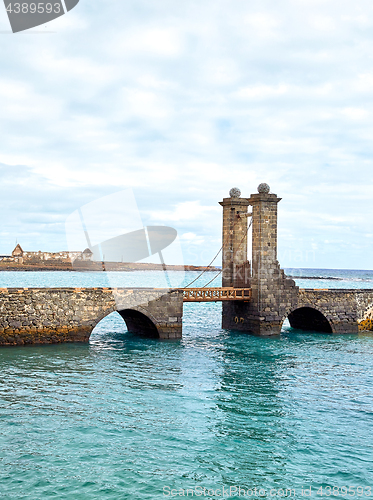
{"type": "Point", "coordinates": [126, 417]}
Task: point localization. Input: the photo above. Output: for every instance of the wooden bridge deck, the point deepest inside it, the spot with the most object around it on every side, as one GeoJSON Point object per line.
{"type": "Point", "coordinates": [215, 294]}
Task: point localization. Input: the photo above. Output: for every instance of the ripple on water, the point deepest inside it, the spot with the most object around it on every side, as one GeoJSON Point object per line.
{"type": "Point", "coordinates": [124, 417]}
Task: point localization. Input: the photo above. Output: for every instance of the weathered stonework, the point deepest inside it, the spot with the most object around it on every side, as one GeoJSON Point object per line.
{"type": "Point", "coordinates": [272, 293]}
{"type": "Point", "coordinates": [364, 300]}
{"type": "Point", "coordinates": [347, 311]}
{"type": "Point", "coordinates": [274, 296]}
{"type": "Point", "coordinates": [235, 216]}
{"type": "Point", "coordinates": [53, 315]}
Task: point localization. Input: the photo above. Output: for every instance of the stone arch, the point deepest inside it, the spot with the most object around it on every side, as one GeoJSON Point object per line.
{"type": "Point", "coordinates": [307, 317]}
{"type": "Point", "coordinates": [139, 322]}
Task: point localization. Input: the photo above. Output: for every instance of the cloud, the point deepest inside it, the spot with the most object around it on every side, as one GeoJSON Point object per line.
{"type": "Point", "coordinates": [181, 102]}
{"type": "Point", "coordinates": [192, 239]}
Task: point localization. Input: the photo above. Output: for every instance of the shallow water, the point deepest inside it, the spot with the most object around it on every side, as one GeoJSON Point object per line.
{"type": "Point", "coordinates": [125, 417]}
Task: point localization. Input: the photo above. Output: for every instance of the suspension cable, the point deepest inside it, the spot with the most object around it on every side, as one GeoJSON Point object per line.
{"type": "Point", "coordinates": [221, 248]}
{"type": "Point", "coordinates": [214, 278]}
{"type": "Point", "coordinates": [244, 236]}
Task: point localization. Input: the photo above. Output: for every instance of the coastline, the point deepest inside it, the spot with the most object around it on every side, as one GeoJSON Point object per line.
{"type": "Point", "coordinates": [130, 267]}
{"type": "Point", "coordinates": [107, 267]}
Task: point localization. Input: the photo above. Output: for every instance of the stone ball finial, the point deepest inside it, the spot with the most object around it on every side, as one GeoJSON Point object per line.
{"type": "Point", "coordinates": [234, 193]}
{"type": "Point", "coordinates": [263, 188]}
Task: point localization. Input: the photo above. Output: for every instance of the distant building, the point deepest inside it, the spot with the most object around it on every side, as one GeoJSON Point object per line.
{"type": "Point", "coordinates": [24, 257]}
{"type": "Point", "coordinates": [87, 254]}
{"type": "Point", "coordinates": [17, 252]}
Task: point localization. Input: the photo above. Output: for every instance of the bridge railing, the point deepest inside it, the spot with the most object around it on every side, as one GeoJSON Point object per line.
{"type": "Point", "coordinates": [215, 294]}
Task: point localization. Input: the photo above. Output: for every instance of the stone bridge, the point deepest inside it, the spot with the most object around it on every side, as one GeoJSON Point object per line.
{"type": "Point", "coordinates": [274, 296]}
{"type": "Point", "coordinates": [257, 296]}
{"type": "Point", "coordinates": [332, 310]}
{"type": "Point", "coordinates": [53, 315]}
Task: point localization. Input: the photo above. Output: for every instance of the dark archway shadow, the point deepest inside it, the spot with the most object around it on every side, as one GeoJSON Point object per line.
{"type": "Point", "coordinates": [139, 324]}
{"type": "Point", "coordinates": [307, 318]}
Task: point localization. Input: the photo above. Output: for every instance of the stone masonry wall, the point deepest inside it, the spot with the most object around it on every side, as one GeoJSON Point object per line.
{"type": "Point", "coordinates": [364, 300]}
{"type": "Point", "coordinates": [347, 311]}
{"type": "Point", "coordinates": [53, 315]}
{"type": "Point", "coordinates": [274, 296]}
{"type": "Point", "coordinates": [234, 237]}
{"type": "Point", "coordinates": [272, 292]}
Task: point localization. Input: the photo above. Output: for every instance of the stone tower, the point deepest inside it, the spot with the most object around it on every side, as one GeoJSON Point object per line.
{"type": "Point", "coordinates": [272, 293]}
{"type": "Point", "coordinates": [235, 217]}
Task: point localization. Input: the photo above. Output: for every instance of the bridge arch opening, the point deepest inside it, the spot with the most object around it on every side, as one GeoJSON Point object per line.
{"type": "Point", "coordinates": [139, 323]}
{"type": "Point", "coordinates": [308, 318]}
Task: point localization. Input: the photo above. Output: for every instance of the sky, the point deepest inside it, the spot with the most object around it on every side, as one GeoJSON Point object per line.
{"type": "Point", "coordinates": [181, 101]}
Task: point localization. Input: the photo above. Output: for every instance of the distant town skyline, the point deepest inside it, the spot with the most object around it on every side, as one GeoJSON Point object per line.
{"type": "Point", "coordinates": [183, 101]}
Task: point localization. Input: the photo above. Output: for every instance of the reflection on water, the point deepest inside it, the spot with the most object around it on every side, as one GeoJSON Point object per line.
{"type": "Point", "coordinates": [124, 416]}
